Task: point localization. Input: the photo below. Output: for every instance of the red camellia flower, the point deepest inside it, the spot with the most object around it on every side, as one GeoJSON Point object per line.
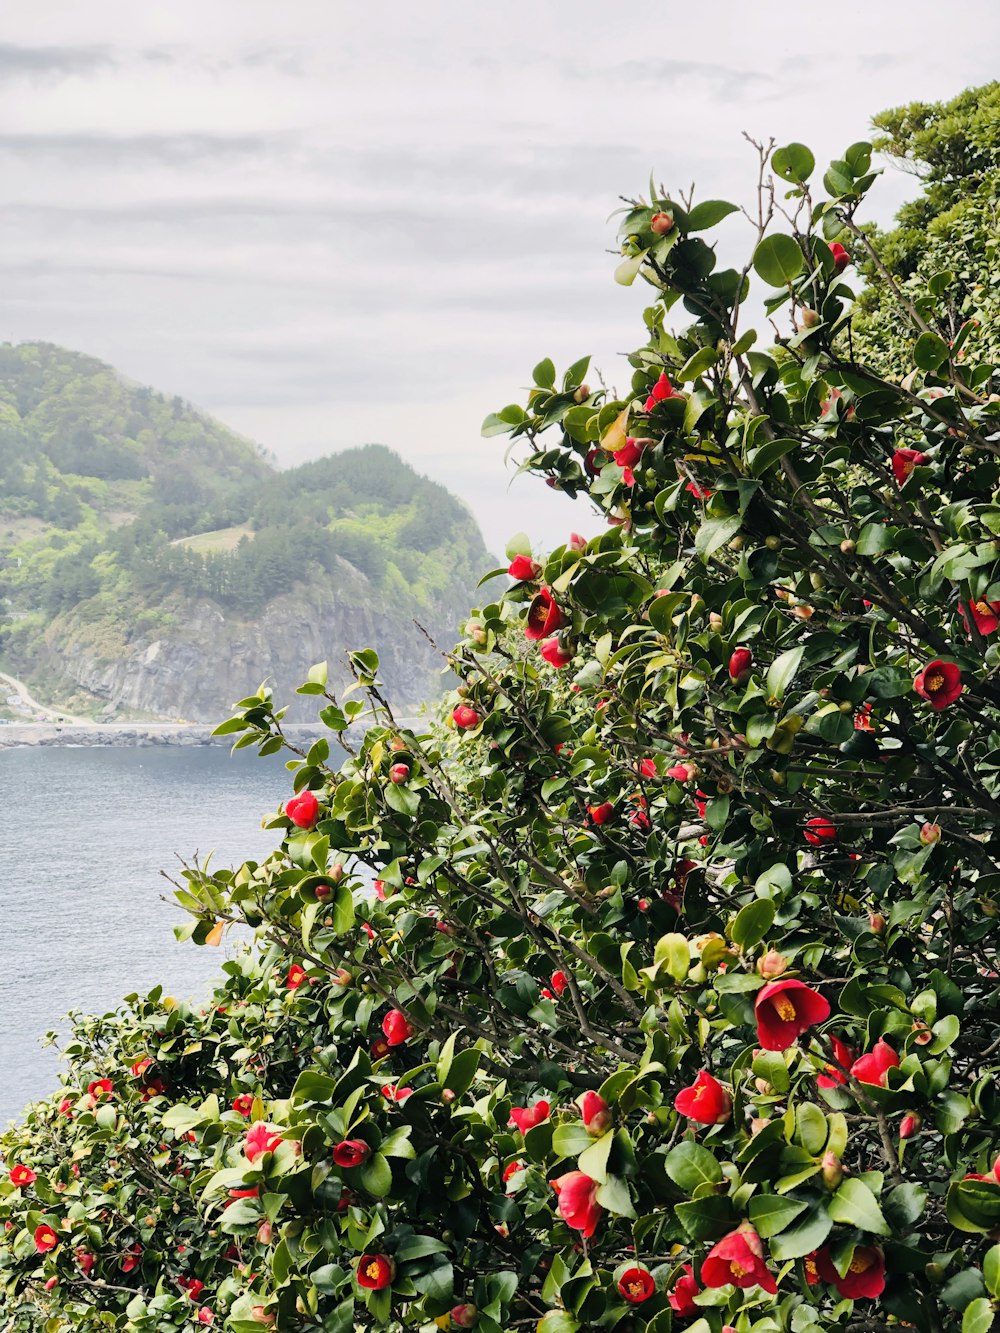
{"type": "Point", "coordinates": [784, 1009]}
{"type": "Point", "coordinates": [841, 258]}
{"type": "Point", "coordinates": [45, 1239]}
{"type": "Point", "coordinates": [738, 1261]}
{"type": "Point", "coordinates": [86, 1261]}
{"type": "Point", "coordinates": [636, 1285]}
{"type": "Point", "coordinates": [544, 616]}
{"type": "Point", "coordinates": [685, 1290]}
{"type": "Point", "coordinates": [819, 830]}
{"type": "Point", "coordinates": [397, 1027]}
{"type": "Point", "coordinates": [296, 976]}
{"type": "Point", "coordinates": [243, 1104]}
{"type": "Point", "coordinates": [465, 718]}
{"type": "Point", "coordinates": [985, 615]}
{"type": "Point", "coordinates": [600, 814]}
{"type": "Point", "coordinates": [559, 982]}
{"type": "Point", "coordinates": [101, 1087]}
{"type": "Point", "coordinates": [699, 492]}
{"type": "Point", "coordinates": [940, 683]}
{"type": "Point", "coordinates": [903, 463]}
{"type": "Point", "coordinates": [706, 1101]}
{"type": "Point", "coordinates": [523, 568]}
{"type": "Point", "coordinates": [662, 390]}
{"type": "Point", "coordinates": [392, 1092]}
{"type": "Point", "coordinates": [351, 1152]}
{"type": "Point", "coordinates": [578, 1206]}
{"type": "Point", "coordinates": [302, 809]}
{"type": "Point", "coordinates": [865, 1276]}
{"type": "Point", "coordinates": [261, 1138]}
{"type": "Point", "coordinates": [526, 1118]}
{"type": "Point", "coordinates": [836, 1074]}
{"type": "Point", "coordinates": [555, 653]}
{"type": "Point", "coordinates": [192, 1285]}
{"type": "Point", "coordinates": [21, 1176]}
{"type": "Point", "coordinates": [139, 1068]}
{"type": "Point", "coordinates": [131, 1259]}
{"type": "Point", "coordinates": [647, 768]}
{"type": "Point", "coordinates": [511, 1170]}
{"type": "Point", "coordinates": [464, 1316]}
{"type": "Point", "coordinates": [630, 453]}
{"type": "Point", "coordinates": [205, 1315]}
{"type": "Point", "coordinates": [375, 1271]}
{"type": "Point", "coordinates": [679, 772]}
{"type": "Point", "coordinates": [740, 665]}
{"type": "Point", "coordinates": [874, 1067]}
{"type": "Point", "coordinates": [596, 1114]}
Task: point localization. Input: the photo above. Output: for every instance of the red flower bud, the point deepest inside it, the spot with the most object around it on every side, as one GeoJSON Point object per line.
{"type": "Point", "coordinates": [740, 665]}
{"type": "Point", "coordinates": [682, 1297]}
{"type": "Point", "coordinates": [526, 1118]}
{"type": "Point", "coordinates": [465, 1316]}
{"type": "Point", "coordinates": [874, 1067]}
{"type": "Point", "coordinates": [600, 814]}
{"type": "Point", "coordinates": [833, 1171]}
{"type": "Point", "coordinates": [399, 773]}
{"type": "Point", "coordinates": [597, 1118]}
{"type": "Point", "coordinates": [660, 224]}
{"type": "Point", "coordinates": [397, 1027]}
{"type": "Point", "coordinates": [555, 653]}
{"type": "Point", "coordinates": [771, 965]}
{"type": "Point", "coordinates": [819, 830]}
{"type": "Point", "coordinates": [524, 569]}
{"type": "Point", "coordinates": [930, 833]}
{"type": "Point", "coordinates": [910, 1125]}
{"type": "Point", "coordinates": [841, 258]}
{"type": "Point", "coordinates": [465, 718]}
{"type": "Point", "coordinates": [351, 1152]}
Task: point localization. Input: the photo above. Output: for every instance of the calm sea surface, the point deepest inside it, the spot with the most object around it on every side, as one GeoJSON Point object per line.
{"type": "Point", "coordinates": [84, 834]}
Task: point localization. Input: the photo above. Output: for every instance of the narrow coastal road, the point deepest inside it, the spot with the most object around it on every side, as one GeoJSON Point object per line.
{"type": "Point", "coordinates": [15, 686]}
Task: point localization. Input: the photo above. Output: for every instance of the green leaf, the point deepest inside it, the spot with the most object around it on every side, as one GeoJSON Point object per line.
{"type": "Point", "coordinates": [762, 459]}
{"type": "Point", "coordinates": [556, 1321]}
{"type": "Point", "coordinates": [570, 1139]}
{"type": "Point", "coordinates": [752, 922]}
{"type": "Point", "coordinates": [519, 544]}
{"type": "Point", "coordinates": [991, 1270]}
{"type": "Point", "coordinates": [594, 1160]}
{"type": "Point", "coordinates": [793, 163]}
{"type": "Point", "coordinates": [696, 365]}
{"type": "Point", "coordinates": [778, 259]}
{"type": "Point", "coordinates": [781, 672]}
{"type": "Point", "coordinates": [708, 214]}
{"type": "Point", "coordinates": [979, 1316]}
{"type": "Point", "coordinates": [855, 1205]}
{"type": "Point", "coordinates": [930, 351]}
{"type": "Point", "coordinates": [810, 1127]}
{"type": "Point", "coordinates": [628, 269]}
{"type": "Point", "coordinates": [690, 1165]}
{"type": "Point", "coordinates": [544, 374]}
{"type": "Point", "coordinates": [715, 533]}
{"type": "Point", "coordinates": [903, 1205]}
{"type": "Point", "coordinates": [771, 1214]}
{"type": "Point", "coordinates": [615, 1197]}
{"type": "Point", "coordinates": [376, 1176]}
{"type": "Point", "coordinates": [703, 1218]}
{"type": "Point", "coordinates": [806, 1234]}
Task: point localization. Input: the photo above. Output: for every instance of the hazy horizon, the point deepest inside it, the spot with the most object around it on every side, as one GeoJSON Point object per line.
{"type": "Point", "coordinates": [327, 234]}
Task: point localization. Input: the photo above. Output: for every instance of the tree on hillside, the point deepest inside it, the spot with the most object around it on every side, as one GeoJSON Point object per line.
{"type": "Point", "coordinates": [675, 999]}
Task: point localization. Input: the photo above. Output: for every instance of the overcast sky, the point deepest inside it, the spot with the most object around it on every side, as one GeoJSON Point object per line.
{"type": "Point", "coordinates": [331, 223]}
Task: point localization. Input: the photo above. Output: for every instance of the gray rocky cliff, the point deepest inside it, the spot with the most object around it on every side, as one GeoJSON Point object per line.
{"type": "Point", "coordinates": [194, 670]}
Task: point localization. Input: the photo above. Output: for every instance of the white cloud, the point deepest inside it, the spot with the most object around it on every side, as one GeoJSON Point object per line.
{"type": "Point", "coordinates": [331, 223]}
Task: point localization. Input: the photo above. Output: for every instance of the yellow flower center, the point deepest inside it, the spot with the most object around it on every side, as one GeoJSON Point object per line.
{"type": "Point", "coordinates": [784, 1008]}
{"type": "Point", "coordinates": [908, 466]}
{"type": "Point", "coordinates": [860, 1263]}
{"type": "Point", "coordinates": [811, 1268]}
{"type": "Point", "coordinates": [737, 1270]}
{"type": "Point", "coordinates": [635, 1288]}
{"type": "Point", "coordinates": [373, 1272]}
{"type": "Point", "coordinates": [983, 608]}
{"type": "Point", "coordinates": [934, 683]}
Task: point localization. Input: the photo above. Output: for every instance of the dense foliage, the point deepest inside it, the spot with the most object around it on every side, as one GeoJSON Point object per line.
{"type": "Point", "coordinates": [675, 999]}
{"type": "Point", "coordinates": [119, 506]}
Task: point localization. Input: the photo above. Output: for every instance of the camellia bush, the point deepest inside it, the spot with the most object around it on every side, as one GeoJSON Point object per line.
{"type": "Point", "coordinates": [657, 986]}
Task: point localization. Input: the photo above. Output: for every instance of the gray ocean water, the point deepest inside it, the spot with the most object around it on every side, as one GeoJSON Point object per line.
{"type": "Point", "coordinates": [84, 834]}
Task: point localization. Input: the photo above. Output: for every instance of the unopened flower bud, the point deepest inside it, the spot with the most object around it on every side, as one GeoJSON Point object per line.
{"type": "Point", "coordinates": [581, 394]}
{"type": "Point", "coordinates": [448, 1095]}
{"type": "Point", "coordinates": [810, 317]}
{"type": "Point", "coordinates": [758, 1123]}
{"type": "Point", "coordinates": [909, 1125]}
{"type": "Point", "coordinates": [660, 224]}
{"type": "Point", "coordinates": [833, 1171]}
{"type": "Point", "coordinates": [465, 1316]}
{"type": "Point", "coordinates": [848, 546]}
{"type": "Point", "coordinates": [264, 1233]}
{"type": "Point", "coordinates": [930, 833]}
{"type": "Point", "coordinates": [876, 923]}
{"type": "Point", "coordinates": [771, 964]}
{"type": "Point", "coordinates": [763, 1086]}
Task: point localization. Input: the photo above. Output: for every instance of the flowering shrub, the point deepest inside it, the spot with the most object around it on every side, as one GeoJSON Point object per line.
{"type": "Point", "coordinates": [666, 1006]}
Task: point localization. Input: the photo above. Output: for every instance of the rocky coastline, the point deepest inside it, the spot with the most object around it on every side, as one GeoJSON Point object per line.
{"type": "Point", "coordinates": [127, 734]}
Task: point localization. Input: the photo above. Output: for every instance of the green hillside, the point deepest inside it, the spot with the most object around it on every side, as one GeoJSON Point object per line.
{"type": "Point", "coordinates": [123, 512]}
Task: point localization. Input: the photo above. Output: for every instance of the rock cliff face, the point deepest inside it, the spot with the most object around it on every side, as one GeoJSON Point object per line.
{"type": "Point", "coordinates": [196, 670]}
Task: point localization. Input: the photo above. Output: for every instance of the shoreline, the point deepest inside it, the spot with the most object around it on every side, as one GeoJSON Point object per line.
{"type": "Point", "coordinates": [19, 735]}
